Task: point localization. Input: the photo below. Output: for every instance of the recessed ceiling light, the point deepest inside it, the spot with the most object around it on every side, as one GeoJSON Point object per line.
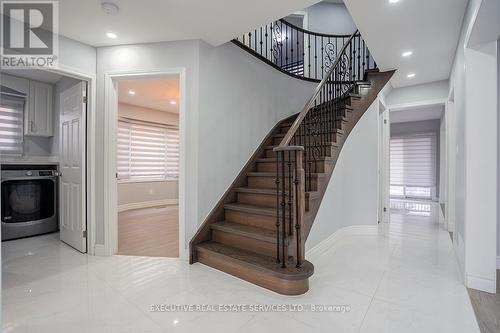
{"type": "Point", "coordinates": [407, 53]}
{"type": "Point", "coordinates": [393, 1]}
{"type": "Point", "coordinates": [173, 102]}
{"type": "Point", "coordinates": [111, 35]}
{"type": "Point", "coordinates": [131, 92]}
{"type": "Point", "coordinates": [411, 75]}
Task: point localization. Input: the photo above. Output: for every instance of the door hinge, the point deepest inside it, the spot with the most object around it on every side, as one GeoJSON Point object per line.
{"type": "Point", "coordinates": [84, 233]}
{"type": "Point", "coordinates": [85, 99]}
{"type": "Point", "coordinates": [385, 209]}
{"type": "Point", "coordinates": [385, 121]}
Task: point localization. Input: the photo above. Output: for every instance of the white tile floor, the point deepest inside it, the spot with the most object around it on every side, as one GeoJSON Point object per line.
{"type": "Point", "coordinates": [404, 282]}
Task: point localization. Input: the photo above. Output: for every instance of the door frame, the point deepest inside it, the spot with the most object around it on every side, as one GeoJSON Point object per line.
{"type": "Point", "coordinates": [384, 166]}
{"type": "Point", "coordinates": [90, 116]}
{"type": "Point", "coordinates": [110, 132]}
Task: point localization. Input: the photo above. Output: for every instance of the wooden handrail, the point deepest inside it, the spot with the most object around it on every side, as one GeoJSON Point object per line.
{"type": "Point", "coordinates": [298, 121]}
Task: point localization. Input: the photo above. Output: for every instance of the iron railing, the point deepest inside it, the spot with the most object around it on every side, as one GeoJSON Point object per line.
{"type": "Point", "coordinates": [308, 143]}
{"type": "Point", "coordinates": [305, 54]}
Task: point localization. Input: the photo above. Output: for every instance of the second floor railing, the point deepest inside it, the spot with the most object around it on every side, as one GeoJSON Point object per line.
{"type": "Point", "coordinates": [305, 54]}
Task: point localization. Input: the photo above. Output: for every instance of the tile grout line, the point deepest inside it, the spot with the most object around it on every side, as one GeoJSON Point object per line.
{"type": "Point", "coordinates": [376, 289]}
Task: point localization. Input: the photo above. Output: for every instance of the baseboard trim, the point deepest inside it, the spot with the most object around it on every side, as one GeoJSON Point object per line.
{"type": "Point", "coordinates": [99, 250]}
{"type": "Point", "coordinates": [481, 283]}
{"type": "Point", "coordinates": [147, 204]}
{"type": "Point", "coordinates": [331, 241]}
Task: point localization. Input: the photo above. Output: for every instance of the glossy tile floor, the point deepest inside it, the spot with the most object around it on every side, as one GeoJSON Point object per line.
{"type": "Point", "coordinates": [405, 281]}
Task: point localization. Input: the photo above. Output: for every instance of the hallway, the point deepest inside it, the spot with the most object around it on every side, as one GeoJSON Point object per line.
{"type": "Point", "coordinates": [406, 282]}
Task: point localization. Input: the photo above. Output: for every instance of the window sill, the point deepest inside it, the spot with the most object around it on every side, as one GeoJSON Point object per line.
{"type": "Point", "coordinates": [152, 180]}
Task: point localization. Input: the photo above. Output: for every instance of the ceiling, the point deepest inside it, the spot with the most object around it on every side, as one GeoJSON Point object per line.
{"type": "Point", "coordinates": [151, 93]}
{"type": "Point", "coordinates": [429, 28]}
{"type": "Point", "coordinates": [427, 112]}
{"type": "Point", "coordinates": [214, 21]}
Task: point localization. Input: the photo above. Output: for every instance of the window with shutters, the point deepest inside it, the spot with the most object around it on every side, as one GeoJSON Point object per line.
{"type": "Point", "coordinates": [413, 166]}
{"type": "Point", "coordinates": [11, 125]}
{"type": "Point", "coordinates": [147, 151]}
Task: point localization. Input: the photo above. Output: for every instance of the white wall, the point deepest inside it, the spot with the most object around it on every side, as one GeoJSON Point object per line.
{"type": "Point", "coordinates": [147, 114]}
{"type": "Point", "coordinates": [351, 198]}
{"type": "Point", "coordinates": [146, 192]}
{"type": "Point", "coordinates": [433, 91]}
{"type": "Point", "coordinates": [330, 18]}
{"type": "Point", "coordinates": [232, 101]}
{"type": "Point", "coordinates": [498, 154]}
{"type": "Point", "coordinates": [442, 160]}
{"type": "Point", "coordinates": [474, 83]}
{"type": "Point", "coordinates": [241, 100]}
{"type": "Point", "coordinates": [77, 56]}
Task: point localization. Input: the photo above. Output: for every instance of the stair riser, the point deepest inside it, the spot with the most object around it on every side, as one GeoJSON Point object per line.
{"type": "Point", "coordinates": [255, 220]}
{"type": "Point", "coordinates": [271, 166]}
{"type": "Point", "coordinates": [326, 137]}
{"type": "Point", "coordinates": [264, 200]}
{"type": "Point", "coordinates": [244, 243]}
{"type": "Point", "coordinates": [269, 182]}
{"type": "Point", "coordinates": [255, 199]}
{"type": "Point", "coordinates": [284, 129]}
{"type": "Point", "coordinates": [250, 274]}
{"type": "Point", "coordinates": [272, 154]}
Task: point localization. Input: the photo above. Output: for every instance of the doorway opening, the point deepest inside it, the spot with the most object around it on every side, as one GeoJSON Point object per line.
{"type": "Point", "coordinates": [44, 157]}
{"type": "Point", "coordinates": [147, 166]}
{"type": "Point", "coordinates": [416, 161]}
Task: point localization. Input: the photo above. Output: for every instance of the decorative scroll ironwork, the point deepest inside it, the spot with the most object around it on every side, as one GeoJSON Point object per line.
{"type": "Point", "coordinates": [301, 53]}
{"type": "Point", "coordinates": [277, 42]}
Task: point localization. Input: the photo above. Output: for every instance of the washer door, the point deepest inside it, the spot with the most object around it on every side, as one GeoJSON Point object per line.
{"type": "Point", "coordinates": [27, 200]}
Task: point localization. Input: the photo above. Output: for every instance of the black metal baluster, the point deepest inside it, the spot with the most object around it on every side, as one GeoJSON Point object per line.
{"type": "Point", "coordinates": [290, 189]}
{"type": "Point", "coordinates": [298, 166]}
{"type": "Point", "coordinates": [283, 212]}
{"type": "Point", "coordinates": [278, 155]}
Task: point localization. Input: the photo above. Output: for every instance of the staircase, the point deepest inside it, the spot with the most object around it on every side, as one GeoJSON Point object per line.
{"type": "Point", "coordinates": [257, 231]}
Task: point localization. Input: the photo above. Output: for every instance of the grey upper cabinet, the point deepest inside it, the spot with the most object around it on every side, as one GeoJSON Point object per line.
{"type": "Point", "coordinates": [39, 110]}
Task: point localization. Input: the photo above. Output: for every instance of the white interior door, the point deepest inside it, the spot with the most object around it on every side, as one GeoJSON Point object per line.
{"type": "Point", "coordinates": [73, 226]}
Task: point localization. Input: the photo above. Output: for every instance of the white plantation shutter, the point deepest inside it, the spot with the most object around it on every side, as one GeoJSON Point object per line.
{"type": "Point", "coordinates": [413, 165]}
{"type": "Point", "coordinates": [11, 125]}
{"type": "Point", "coordinates": [147, 151]}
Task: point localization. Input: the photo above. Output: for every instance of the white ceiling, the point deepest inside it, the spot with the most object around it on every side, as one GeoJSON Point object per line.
{"type": "Point", "coordinates": [429, 28]}
{"type": "Point", "coordinates": [214, 21]}
{"type": "Point", "coordinates": [428, 112]}
{"type": "Point", "coordinates": [151, 93]}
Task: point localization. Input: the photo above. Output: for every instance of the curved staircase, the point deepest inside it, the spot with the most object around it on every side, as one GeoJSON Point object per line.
{"type": "Point", "coordinates": [258, 229]}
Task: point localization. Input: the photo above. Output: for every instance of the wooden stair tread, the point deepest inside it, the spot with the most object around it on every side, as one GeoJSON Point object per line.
{"type": "Point", "coordinates": [258, 261]}
{"type": "Point", "coordinates": [252, 209]}
{"type": "Point", "coordinates": [246, 231]}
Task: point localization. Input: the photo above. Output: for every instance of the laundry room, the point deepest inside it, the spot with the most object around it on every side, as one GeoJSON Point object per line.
{"type": "Point", "coordinates": [43, 156]}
